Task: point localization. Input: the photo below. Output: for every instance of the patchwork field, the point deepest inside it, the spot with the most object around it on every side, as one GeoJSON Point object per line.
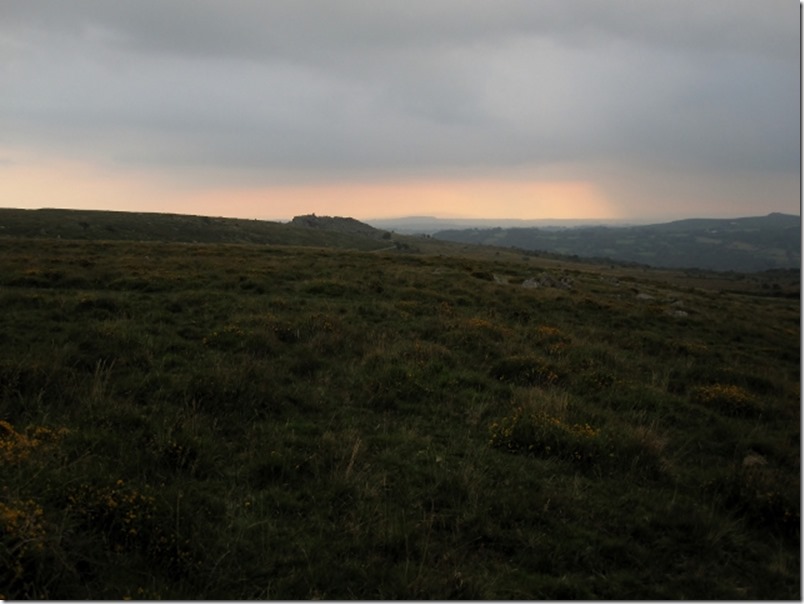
{"type": "Point", "coordinates": [246, 421]}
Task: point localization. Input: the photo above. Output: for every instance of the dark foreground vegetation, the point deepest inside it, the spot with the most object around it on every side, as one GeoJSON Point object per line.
{"type": "Point", "coordinates": [248, 421]}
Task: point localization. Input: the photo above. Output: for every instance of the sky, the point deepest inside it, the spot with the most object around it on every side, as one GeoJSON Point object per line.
{"type": "Point", "coordinates": [640, 110]}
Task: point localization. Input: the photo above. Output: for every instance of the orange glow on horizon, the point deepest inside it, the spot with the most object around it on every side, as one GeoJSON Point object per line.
{"type": "Point", "coordinates": [67, 184]}
{"type": "Point", "coordinates": [34, 183]}
{"type": "Point", "coordinates": [446, 199]}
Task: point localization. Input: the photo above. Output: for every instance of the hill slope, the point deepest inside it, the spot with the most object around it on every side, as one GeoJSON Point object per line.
{"type": "Point", "coordinates": [741, 244]}
{"type": "Point", "coordinates": [135, 226]}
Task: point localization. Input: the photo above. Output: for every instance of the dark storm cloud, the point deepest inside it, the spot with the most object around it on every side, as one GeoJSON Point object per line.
{"type": "Point", "coordinates": [299, 91]}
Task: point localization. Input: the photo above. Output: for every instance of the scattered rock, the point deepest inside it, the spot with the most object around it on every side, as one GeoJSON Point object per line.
{"type": "Point", "coordinates": [548, 280]}
{"type": "Point", "coordinates": [753, 460]}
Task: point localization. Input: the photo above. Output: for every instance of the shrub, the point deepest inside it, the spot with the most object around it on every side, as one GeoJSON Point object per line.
{"type": "Point", "coordinates": [525, 371]}
{"type": "Point", "coordinates": [554, 341]}
{"type": "Point", "coordinates": [22, 541]}
{"type": "Point", "coordinates": [129, 519]}
{"type": "Point", "coordinates": [726, 399]}
{"type": "Point", "coordinates": [483, 328]}
{"type": "Point", "coordinates": [16, 447]}
{"type": "Point", "coordinates": [534, 432]}
{"type": "Point", "coordinates": [544, 432]}
{"type": "Point", "coordinates": [121, 512]}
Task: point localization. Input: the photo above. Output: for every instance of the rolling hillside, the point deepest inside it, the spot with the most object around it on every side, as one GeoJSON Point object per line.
{"type": "Point", "coordinates": [740, 244]}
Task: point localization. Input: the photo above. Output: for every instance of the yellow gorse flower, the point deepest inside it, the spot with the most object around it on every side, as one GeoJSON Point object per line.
{"type": "Point", "coordinates": [722, 393]}
{"type": "Point", "coordinates": [548, 332]}
{"type": "Point", "coordinates": [540, 432]}
{"type": "Point", "coordinates": [22, 528]}
{"type": "Point", "coordinates": [16, 447]}
{"type": "Point", "coordinates": [728, 398]}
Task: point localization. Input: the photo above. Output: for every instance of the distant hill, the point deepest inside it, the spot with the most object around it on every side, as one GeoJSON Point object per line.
{"type": "Point", "coordinates": [741, 244]}
{"type": "Point", "coordinates": [738, 244]}
{"type": "Point", "coordinates": [138, 226]}
{"type": "Point", "coordinates": [427, 225]}
{"type": "Point", "coordinates": [338, 224]}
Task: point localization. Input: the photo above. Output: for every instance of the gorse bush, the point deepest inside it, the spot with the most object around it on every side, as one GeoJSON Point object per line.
{"type": "Point", "coordinates": [535, 432]}
{"type": "Point", "coordinates": [22, 539]}
{"type": "Point", "coordinates": [26, 539]}
{"type": "Point", "coordinates": [727, 398]}
{"type": "Point", "coordinates": [525, 371]}
{"type": "Point", "coordinates": [121, 512]}
{"type": "Point", "coordinates": [16, 447]}
{"type": "Point", "coordinates": [552, 340]}
{"type": "Point", "coordinates": [127, 519]}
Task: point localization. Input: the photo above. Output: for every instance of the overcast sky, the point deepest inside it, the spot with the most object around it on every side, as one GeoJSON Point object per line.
{"type": "Point", "coordinates": [639, 109]}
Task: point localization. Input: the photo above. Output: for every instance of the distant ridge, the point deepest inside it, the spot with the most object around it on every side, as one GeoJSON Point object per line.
{"type": "Point", "coordinates": [774, 219]}
{"type": "Point", "coordinates": [745, 244]}
{"type": "Point", "coordinates": [427, 225]}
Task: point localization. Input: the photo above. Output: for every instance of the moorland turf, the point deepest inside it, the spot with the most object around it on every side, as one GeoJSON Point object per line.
{"type": "Point", "coordinates": [228, 421]}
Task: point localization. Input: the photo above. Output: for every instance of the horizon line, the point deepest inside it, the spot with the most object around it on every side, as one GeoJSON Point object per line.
{"type": "Point", "coordinates": [643, 220]}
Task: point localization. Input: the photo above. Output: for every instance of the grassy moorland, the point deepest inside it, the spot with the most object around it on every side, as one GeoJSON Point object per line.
{"type": "Point", "coordinates": [250, 421]}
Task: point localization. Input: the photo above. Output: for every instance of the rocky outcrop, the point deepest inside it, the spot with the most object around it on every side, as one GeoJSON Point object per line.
{"type": "Point", "coordinates": [338, 224]}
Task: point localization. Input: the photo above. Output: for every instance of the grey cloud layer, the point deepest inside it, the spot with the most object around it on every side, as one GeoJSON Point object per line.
{"type": "Point", "coordinates": [319, 90]}
{"type": "Point", "coordinates": [310, 28]}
